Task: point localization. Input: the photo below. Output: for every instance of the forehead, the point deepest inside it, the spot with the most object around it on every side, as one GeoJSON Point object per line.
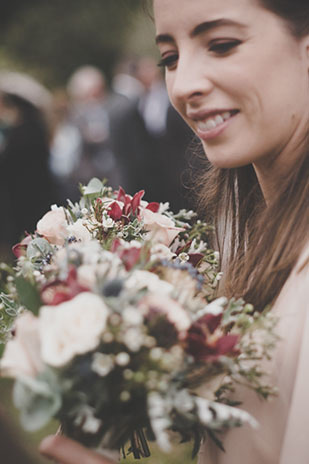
{"type": "Point", "coordinates": [181, 13]}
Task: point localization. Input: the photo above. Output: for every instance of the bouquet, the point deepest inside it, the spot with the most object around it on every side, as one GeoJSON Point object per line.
{"type": "Point", "coordinates": [111, 326]}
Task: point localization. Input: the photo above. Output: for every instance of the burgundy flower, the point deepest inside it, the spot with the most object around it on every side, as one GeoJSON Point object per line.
{"type": "Point", "coordinates": [195, 258]}
{"type": "Point", "coordinates": [130, 257]}
{"type": "Point", "coordinates": [153, 206]}
{"type": "Point", "coordinates": [20, 249]}
{"type": "Point", "coordinates": [114, 211]}
{"type": "Point", "coordinates": [205, 343]}
{"type": "Point", "coordinates": [59, 291]}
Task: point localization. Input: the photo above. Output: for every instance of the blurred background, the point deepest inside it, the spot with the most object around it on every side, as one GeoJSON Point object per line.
{"type": "Point", "coordinates": [81, 95]}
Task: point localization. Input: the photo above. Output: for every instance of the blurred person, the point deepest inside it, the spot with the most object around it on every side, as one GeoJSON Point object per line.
{"type": "Point", "coordinates": [125, 81]}
{"type": "Point", "coordinates": [150, 141]}
{"type": "Point", "coordinates": [26, 186]}
{"type": "Point", "coordinates": [92, 108]}
{"type": "Point", "coordinates": [66, 148]}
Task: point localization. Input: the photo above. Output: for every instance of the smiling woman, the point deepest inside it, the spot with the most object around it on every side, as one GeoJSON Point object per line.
{"type": "Point", "coordinates": [238, 73]}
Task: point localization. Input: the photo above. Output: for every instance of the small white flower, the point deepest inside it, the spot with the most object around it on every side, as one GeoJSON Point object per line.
{"type": "Point", "coordinates": [107, 221]}
{"type": "Point", "coordinates": [122, 359]}
{"type": "Point", "coordinates": [215, 307]}
{"type": "Point", "coordinates": [133, 338]}
{"type": "Point", "coordinates": [163, 207]}
{"type": "Point", "coordinates": [183, 257]}
{"type": "Point", "coordinates": [102, 364]}
{"type": "Point", "coordinates": [132, 316]}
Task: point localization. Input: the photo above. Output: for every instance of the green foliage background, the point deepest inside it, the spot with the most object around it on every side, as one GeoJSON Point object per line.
{"type": "Point", "coordinates": [50, 38]}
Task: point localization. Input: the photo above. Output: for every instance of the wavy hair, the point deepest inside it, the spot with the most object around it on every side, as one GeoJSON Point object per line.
{"type": "Point", "coordinates": [260, 245]}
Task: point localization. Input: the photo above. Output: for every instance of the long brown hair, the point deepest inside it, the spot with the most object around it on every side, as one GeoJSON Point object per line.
{"type": "Point", "coordinates": [260, 245]}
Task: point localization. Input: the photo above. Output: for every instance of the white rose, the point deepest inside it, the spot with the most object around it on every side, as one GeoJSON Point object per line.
{"type": "Point", "coordinates": [22, 353]}
{"type": "Point", "coordinates": [79, 231]}
{"type": "Point", "coordinates": [71, 328]}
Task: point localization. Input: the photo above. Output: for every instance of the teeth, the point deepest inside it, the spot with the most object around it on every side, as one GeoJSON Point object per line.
{"type": "Point", "coordinates": [226, 115]}
{"type": "Point", "coordinates": [211, 123]}
{"type": "Point", "coordinates": [219, 119]}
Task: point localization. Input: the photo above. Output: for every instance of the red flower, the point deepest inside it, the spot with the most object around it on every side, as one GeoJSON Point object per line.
{"type": "Point", "coordinates": [130, 205]}
{"type": "Point", "coordinates": [59, 291]}
{"type": "Point", "coordinates": [130, 257]}
{"type": "Point", "coordinates": [114, 211]}
{"type": "Point", "coordinates": [205, 343]}
{"type": "Point", "coordinates": [20, 249]}
{"type": "Point", "coordinates": [153, 206]}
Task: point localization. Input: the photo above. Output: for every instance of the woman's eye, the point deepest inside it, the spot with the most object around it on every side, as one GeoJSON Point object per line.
{"type": "Point", "coordinates": [222, 48]}
{"type": "Point", "coordinates": [168, 62]}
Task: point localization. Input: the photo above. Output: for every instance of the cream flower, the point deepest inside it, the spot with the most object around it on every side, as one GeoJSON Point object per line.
{"type": "Point", "coordinates": [162, 229]}
{"type": "Point", "coordinates": [79, 231]}
{"type": "Point", "coordinates": [22, 353]}
{"type": "Point", "coordinates": [71, 328]}
{"type": "Point", "coordinates": [53, 226]}
{"type": "Point", "coordinates": [173, 311]}
{"type": "Point", "coordinates": [144, 279]}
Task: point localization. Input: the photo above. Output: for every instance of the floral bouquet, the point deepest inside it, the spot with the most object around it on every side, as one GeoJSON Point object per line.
{"type": "Point", "coordinates": [111, 326]}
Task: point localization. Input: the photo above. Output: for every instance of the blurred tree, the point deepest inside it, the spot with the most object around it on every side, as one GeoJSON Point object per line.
{"type": "Point", "coordinates": [53, 37]}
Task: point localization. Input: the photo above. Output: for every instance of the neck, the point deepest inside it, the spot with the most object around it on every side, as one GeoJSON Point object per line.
{"type": "Point", "coordinates": [272, 171]}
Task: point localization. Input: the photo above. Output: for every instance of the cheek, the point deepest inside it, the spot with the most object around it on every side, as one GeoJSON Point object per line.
{"type": "Point", "coordinates": [169, 80]}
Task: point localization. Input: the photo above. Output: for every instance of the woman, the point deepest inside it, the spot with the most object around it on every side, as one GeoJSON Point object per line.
{"type": "Point", "coordinates": [238, 73]}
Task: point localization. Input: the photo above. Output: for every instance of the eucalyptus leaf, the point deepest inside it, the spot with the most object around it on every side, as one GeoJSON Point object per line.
{"type": "Point", "coordinates": [38, 248]}
{"type": "Point", "coordinates": [28, 294]}
{"type": "Point", "coordinates": [95, 186]}
{"type": "Point", "coordinates": [37, 400]}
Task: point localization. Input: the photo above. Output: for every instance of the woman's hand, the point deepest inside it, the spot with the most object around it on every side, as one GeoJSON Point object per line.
{"type": "Point", "coordinates": [66, 451]}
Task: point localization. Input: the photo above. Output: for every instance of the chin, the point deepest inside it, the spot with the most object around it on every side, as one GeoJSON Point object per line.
{"type": "Point", "coordinates": [226, 160]}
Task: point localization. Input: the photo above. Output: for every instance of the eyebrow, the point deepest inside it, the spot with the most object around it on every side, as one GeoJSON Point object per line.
{"type": "Point", "coordinates": [201, 28]}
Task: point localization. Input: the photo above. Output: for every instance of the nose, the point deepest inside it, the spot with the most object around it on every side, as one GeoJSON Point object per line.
{"type": "Point", "coordinates": [189, 81]}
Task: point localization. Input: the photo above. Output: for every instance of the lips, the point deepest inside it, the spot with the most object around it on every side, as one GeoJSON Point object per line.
{"type": "Point", "coordinates": [210, 120]}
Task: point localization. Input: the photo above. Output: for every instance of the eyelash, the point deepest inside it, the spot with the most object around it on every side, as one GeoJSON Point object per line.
{"type": "Point", "coordinates": [218, 48]}
{"type": "Point", "coordinates": [168, 61]}
{"type": "Point", "coordinates": [222, 48]}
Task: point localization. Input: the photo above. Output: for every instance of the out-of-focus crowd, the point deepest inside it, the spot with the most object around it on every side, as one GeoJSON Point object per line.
{"type": "Point", "coordinates": [126, 132]}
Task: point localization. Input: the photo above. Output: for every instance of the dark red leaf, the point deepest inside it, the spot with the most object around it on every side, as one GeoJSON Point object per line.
{"type": "Point", "coordinates": [136, 201]}
{"type": "Point", "coordinates": [114, 211]}
{"type": "Point", "coordinates": [153, 206]}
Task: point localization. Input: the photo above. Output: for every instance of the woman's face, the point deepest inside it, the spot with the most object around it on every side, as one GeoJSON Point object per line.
{"type": "Point", "coordinates": [237, 76]}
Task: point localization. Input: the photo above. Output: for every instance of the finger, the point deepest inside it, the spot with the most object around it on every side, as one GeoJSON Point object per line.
{"type": "Point", "coordinates": [67, 451]}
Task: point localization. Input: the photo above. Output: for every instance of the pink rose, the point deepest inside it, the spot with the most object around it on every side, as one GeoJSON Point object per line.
{"type": "Point", "coordinates": [22, 353]}
{"type": "Point", "coordinates": [161, 228]}
{"type": "Point", "coordinates": [53, 226]}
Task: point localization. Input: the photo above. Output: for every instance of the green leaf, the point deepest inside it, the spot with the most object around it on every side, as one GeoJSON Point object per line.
{"type": "Point", "coordinates": [38, 400]}
{"type": "Point", "coordinates": [95, 186]}
{"type": "Point", "coordinates": [38, 248]}
{"type": "Point", "coordinates": [28, 294]}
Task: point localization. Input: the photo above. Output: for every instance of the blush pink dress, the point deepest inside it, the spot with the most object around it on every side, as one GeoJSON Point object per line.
{"type": "Point", "coordinates": [283, 433]}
